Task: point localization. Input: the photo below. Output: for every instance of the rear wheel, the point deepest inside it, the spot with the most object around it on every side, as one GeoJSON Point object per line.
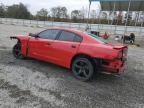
{"type": "Point", "coordinates": [82, 68]}
{"type": "Point", "coordinates": [17, 51]}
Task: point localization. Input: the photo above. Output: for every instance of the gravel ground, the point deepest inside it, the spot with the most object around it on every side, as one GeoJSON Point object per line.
{"type": "Point", "coordinates": [35, 84]}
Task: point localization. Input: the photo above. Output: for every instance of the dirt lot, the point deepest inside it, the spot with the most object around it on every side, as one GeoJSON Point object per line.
{"type": "Point", "coordinates": [35, 84]}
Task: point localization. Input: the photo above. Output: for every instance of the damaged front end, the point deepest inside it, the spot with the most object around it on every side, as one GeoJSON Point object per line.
{"type": "Point", "coordinates": [14, 37]}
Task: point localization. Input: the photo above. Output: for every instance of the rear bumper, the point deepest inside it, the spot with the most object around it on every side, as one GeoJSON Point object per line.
{"type": "Point", "coordinates": [116, 66]}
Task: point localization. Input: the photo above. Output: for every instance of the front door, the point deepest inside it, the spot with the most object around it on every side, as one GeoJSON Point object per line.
{"type": "Point", "coordinates": [41, 47]}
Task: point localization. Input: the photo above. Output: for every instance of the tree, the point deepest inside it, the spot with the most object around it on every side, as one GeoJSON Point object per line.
{"type": "Point", "coordinates": [119, 18]}
{"type": "Point", "coordinates": [104, 15]}
{"type": "Point", "coordinates": [115, 18]}
{"type": "Point", "coordinates": [2, 10]}
{"type": "Point", "coordinates": [76, 14]}
{"type": "Point", "coordinates": [53, 12]}
{"type": "Point", "coordinates": [110, 17]}
{"type": "Point", "coordinates": [59, 12]}
{"type": "Point", "coordinates": [128, 18]}
{"type": "Point", "coordinates": [84, 13]}
{"type": "Point", "coordinates": [42, 14]}
{"type": "Point", "coordinates": [64, 12]}
{"type": "Point", "coordinates": [18, 11]}
{"type": "Point", "coordinates": [142, 18]}
{"type": "Point", "coordinates": [93, 14]}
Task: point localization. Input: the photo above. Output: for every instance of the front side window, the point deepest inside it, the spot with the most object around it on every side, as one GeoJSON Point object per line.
{"type": "Point", "coordinates": [48, 34]}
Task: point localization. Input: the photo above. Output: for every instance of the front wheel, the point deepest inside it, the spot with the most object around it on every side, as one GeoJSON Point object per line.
{"type": "Point", "coordinates": [82, 68]}
{"type": "Point", "coordinates": [17, 51]}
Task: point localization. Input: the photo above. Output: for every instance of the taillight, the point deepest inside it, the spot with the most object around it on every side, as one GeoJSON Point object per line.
{"type": "Point", "coordinates": [122, 52]}
{"type": "Point", "coordinates": [120, 55]}
{"type": "Point", "coordinates": [125, 51]}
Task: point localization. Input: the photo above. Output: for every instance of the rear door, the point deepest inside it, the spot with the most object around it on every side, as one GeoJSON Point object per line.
{"type": "Point", "coordinates": [65, 47]}
{"type": "Point", "coordinates": [42, 46]}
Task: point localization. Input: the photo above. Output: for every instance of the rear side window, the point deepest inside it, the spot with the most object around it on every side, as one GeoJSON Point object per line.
{"type": "Point", "coordinates": [77, 38]}
{"type": "Point", "coordinates": [68, 36]}
{"type": "Point", "coordinates": [49, 34]}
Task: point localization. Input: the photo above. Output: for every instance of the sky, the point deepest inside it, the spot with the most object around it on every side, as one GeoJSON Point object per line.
{"type": "Point", "coordinates": [35, 5]}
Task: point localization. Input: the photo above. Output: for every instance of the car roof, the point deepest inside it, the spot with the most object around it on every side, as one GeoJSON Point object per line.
{"type": "Point", "coordinates": [69, 29]}
{"type": "Point", "coordinates": [76, 31]}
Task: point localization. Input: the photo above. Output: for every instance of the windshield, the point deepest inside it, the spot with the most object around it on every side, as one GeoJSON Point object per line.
{"type": "Point", "coordinates": [99, 39]}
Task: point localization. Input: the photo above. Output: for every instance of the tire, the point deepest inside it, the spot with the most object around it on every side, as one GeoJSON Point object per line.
{"type": "Point", "coordinates": [83, 68]}
{"type": "Point", "coordinates": [17, 51]}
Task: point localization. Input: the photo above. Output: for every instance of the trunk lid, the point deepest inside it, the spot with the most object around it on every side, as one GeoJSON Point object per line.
{"type": "Point", "coordinates": [123, 50]}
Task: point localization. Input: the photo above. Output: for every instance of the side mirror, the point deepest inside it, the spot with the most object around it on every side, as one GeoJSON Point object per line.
{"type": "Point", "coordinates": [33, 35]}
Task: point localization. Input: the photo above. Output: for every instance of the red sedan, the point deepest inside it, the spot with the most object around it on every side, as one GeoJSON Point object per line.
{"type": "Point", "coordinates": [79, 51]}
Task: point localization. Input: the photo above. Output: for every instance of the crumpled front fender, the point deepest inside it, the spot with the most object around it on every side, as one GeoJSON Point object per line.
{"type": "Point", "coordinates": [14, 37]}
{"type": "Point", "coordinates": [23, 40]}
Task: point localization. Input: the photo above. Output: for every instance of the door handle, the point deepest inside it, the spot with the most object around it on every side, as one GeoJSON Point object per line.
{"type": "Point", "coordinates": [48, 43]}
{"type": "Point", "coordinates": [73, 46]}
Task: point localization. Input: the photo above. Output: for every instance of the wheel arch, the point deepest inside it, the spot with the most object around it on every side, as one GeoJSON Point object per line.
{"type": "Point", "coordinates": [23, 41]}
{"type": "Point", "coordinates": [81, 55]}
{"type": "Point", "coordinates": [97, 62]}
{"type": "Point", "coordinates": [16, 38]}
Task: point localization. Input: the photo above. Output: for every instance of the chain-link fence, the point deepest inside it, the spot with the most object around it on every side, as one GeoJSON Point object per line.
{"type": "Point", "coordinates": [111, 29]}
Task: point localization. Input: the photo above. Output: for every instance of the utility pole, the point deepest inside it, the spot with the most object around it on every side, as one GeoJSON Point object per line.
{"type": "Point", "coordinates": [129, 5]}
{"type": "Point", "coordinates": [87, 26]}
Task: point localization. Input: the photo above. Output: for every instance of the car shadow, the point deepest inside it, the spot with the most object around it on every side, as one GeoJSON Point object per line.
{"type": "Point", "coordinates": [49, 69]}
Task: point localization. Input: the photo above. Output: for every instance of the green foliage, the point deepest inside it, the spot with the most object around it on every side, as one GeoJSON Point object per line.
{"type": "Point", "coordinates": [2, 10]}
{"type": "Point", "coordinates": [15, 11]}
{"type": "Point", "coordinates": [42, 14]}
{"type": "Point", "coordinates": [77, 15]}
{"type": "Point", "coordinates": [128, 17]}
{"type": "Point", "coordinates": [59, 12]}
